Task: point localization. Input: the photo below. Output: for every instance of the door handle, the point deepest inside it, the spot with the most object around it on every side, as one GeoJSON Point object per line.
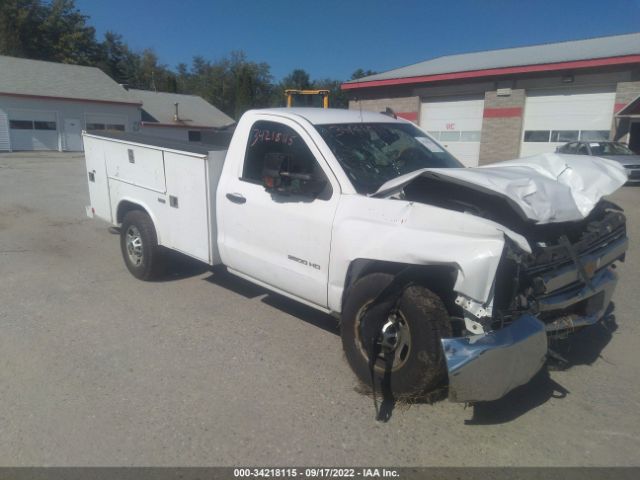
{"type": "Point", "coordinates": [236, 198]}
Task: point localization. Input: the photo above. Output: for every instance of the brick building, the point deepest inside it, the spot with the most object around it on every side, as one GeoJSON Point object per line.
{"type": "Point", "coordinates": [503, 104]}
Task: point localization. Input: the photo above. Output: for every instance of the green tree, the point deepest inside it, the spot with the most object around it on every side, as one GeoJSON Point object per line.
{"type": "Point", "coordinates": [298, 79]}
{"type": "Point", "coordinates": [360, 73]}
{"type": "Point", "coordinates": [152, 75]}
{"type": "Point", "coordinates": [117, 60]}
{"type": "Point", "coordinates": [54, 31]}
{"type": "Point", "coordinates": [21, 32]}
{"type": "Point", "coordinates": [233, 83]}
{"type": "Point", "coordinates": [68, 37]}
{"type": "Point", "coordinates": [244, 98]}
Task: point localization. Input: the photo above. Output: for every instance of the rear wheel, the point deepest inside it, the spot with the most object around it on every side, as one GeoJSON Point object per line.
{"type": "Point", "coordinates": [139, 245]}
{"type": "Point", "coordinates": [408, 353]}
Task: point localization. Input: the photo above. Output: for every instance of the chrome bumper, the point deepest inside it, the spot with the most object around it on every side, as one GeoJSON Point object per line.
{"type": "Point", "coordinates": [486, 367]}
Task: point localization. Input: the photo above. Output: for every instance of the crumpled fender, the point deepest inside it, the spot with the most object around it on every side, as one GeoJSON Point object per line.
{"type": "Point", "coordinates": [417, 234]}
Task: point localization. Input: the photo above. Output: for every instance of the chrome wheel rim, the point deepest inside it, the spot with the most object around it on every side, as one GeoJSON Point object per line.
{"type": "Point", "coordinates": [134, 245]}
{"type": "Point", "coordinates": [394, 340]}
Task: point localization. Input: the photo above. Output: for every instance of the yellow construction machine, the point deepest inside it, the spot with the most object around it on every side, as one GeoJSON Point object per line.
{"type": "Point", "coordinates": [307, 98]}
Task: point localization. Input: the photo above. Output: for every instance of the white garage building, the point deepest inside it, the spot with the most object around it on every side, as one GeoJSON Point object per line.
{"type": "Point", "coordinates": [46, 105]}
{"type": "Point", "coordinates": [514, 102]}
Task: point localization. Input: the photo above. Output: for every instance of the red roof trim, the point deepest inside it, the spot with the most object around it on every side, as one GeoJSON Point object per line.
{"type": "Point", "coordinates": [546, 67]}
{"type": "Point", "coordinates": [67, 99]}
{"type": "Point", "coordinates": [502, 112]}
{"type": "Point", "coordinates": [411, 116]}
{"type": "Point", "coordinates": [618, 106]}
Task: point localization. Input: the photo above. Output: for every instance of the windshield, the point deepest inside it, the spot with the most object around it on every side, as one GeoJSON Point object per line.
{"type": "Point", "coordinates": [374, 153]}
{"type": "Point", "coordinates": [609, 148]}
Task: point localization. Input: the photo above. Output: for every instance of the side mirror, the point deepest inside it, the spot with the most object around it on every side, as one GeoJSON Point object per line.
{"type": "Point", "coordinates": [279, 176]}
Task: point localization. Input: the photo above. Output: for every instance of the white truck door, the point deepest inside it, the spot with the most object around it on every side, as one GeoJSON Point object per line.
{"type": "Point", "coordinates": [97, 179]}
{"type": "Point", "coordinates": [281, 240]}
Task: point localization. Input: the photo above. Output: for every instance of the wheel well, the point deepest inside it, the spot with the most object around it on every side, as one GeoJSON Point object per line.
{"type": "Point", "coordinates": [440, 279]}
{"type": "Point", "coordinates": [125, 207]}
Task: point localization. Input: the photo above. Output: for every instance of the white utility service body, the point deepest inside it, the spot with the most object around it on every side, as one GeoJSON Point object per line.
{"type": "Point", "coordinates": [174, 183]}
{"type": "Point", "coordinates": [208, 203]}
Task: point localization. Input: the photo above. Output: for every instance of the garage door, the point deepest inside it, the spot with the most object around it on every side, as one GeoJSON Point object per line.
{"type": "Point", "coordinates": [553, 120]}
{"type": "Point", "coordinates": [457, 125]}
{"type": "Point", "coordinates": [33, 130]}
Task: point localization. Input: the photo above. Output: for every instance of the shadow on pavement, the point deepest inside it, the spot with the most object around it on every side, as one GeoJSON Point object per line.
{"type": "Point", "coordinates": [181, 266]}
{"type": "Point", "coordinates": [518, 402]}
{"type": "Point", "coordinates": [247, 289]}
{"type": "Point", "coordinates": [219, 276]}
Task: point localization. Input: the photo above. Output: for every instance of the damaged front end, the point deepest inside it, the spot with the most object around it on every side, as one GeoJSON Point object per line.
{"type": "Point", "coordinates": [565, 283]}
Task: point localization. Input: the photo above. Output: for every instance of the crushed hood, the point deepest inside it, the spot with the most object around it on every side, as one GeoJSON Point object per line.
{"type": "Point", "coordinates": [546, 188]}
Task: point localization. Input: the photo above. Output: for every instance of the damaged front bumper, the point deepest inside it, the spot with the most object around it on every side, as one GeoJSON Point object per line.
{"type": "Point", "coordinates": [486, 367]}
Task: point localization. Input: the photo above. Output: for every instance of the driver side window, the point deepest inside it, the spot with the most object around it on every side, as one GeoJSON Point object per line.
{"type": "Point", "coordinates": [272, 140]}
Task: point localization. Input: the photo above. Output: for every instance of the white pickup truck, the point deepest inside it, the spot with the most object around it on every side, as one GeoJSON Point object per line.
{"type": "Point", "coordinates": [440, 275]}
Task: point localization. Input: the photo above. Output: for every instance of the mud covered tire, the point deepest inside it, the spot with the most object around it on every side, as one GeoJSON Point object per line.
{"type": "Point", "coordinates": [424, 369]}
{"type": "Point", "coordinates": [139, 245]}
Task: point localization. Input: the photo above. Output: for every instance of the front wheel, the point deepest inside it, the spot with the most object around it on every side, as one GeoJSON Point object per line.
{"type": "Point", "coordinates": [407, 349]}
{"type": "Point", "coordinates": [139, 245]}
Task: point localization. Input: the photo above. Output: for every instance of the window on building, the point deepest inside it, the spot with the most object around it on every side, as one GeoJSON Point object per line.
{"type": "Point", "coordinates": [44, 125]}
{"type": "Point", "coordinates": [115, 127]}
{"type": "Point", "coordinates": [564, 135]}
{"type": "Point", "coordinates": [536, 135]}
{"type": "Point", "coordinates": [456, 135]}
{"type": "Point", "coordinates": [96, 126]}
{"type": "Point", "coordinates": [594, 135]}
{"type": "Point", "coordinates": [195, 136]}
{"type": "Point", "coordinates": [449, 136]}
{"type": "Point", "coordinates": [469, 136]}
{"type": "Point", "coordinates": [21, 124]}
{"type": "Point", "coordinates": [561, 136]}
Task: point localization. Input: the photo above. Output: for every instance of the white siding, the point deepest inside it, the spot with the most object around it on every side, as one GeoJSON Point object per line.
{"type": "Point", "coordinates": [564, 115]}
{"type": "Point", "coordinates": [457, 124]}
{"type": "Point", "coordinates": [5, 144]}
{"type": "Point", "coordinates": [64, 110]}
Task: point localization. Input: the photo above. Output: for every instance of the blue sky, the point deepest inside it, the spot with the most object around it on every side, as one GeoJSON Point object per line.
{"type": "Point", "coordinates": [330, 38]}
